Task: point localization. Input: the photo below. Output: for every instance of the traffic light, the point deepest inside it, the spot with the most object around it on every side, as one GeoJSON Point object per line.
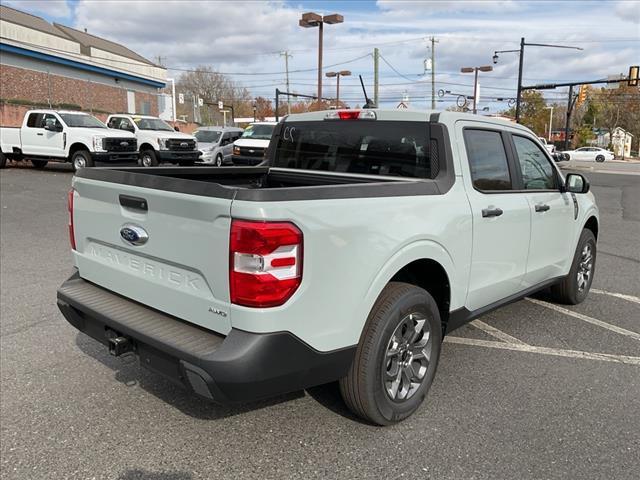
{"type": "Point", "coordinates": [582, 95]}
{"type": "Point", "coordinates": [634, 72]}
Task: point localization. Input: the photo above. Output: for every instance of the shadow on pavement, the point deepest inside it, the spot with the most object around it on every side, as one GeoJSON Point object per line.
{"type": "Point", "coordinates": [129, 372]}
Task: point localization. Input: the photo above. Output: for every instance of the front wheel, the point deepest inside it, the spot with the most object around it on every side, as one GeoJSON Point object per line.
{"type": "Point", "coordinates": [3, 160]}
{"type": "Point", "coordinates": [574, 288]}
{"type": "Point", "coordinates": [39, 164]}
{"type": "Point", "coordinates": [397, 356]}
{"type": "Point", "coordinates": [148, 158]}
{"type": "Point", "coordinates": [600, 158]}
{"type": "Point", "coordinates": [81, 159]}
{"type": "Point", "coordinates": [218, 160]}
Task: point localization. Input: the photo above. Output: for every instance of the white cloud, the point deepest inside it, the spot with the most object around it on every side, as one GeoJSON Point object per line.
{"type": "Point", "coordinates": [628, 10]}
{"type": "Point", "coordinates": [50, 8]}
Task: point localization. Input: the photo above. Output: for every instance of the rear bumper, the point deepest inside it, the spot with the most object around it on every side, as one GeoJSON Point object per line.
{"type": "Point", "coordinates": [174, 156]}
{"type": "Point", "coordinates": [240, 367]}
{"type": "Point", "coordinates": [114, 156]}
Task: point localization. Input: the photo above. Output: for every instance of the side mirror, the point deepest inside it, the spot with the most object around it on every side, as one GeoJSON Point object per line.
{"type": "Point", "coordinates": [576, 183]}
{"type": "Point", "coordinates": [51, 125]}
{"type": "Point", "coordinates": [176, 129]}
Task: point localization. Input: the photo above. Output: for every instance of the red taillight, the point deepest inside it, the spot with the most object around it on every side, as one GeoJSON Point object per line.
{"type": "Point", "coordinates": [265, 262]}
{"type": "Point", "coordinates": [348, 114]}
{"type": "Point", "coordinates": [72, 236]}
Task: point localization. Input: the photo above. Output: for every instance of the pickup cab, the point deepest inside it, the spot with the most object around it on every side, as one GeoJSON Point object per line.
{"type": "Point", "coordinates": [157, 140]}
{"type": "Point", "coordinates": [368, 236]}
{"type": "Point", "coordinates": [65, 136]}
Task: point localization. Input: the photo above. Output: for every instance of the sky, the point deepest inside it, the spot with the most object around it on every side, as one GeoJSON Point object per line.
{"type": "Point", "coordinates": [244, 39]}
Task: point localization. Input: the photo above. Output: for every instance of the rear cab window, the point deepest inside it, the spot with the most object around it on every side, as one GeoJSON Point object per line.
{"type": "Point", "coordinates": [487, 160]}
{"type": "Point", "coordinates": [35, 120]}
{"type": "Point", "coordinates": [390, 148]}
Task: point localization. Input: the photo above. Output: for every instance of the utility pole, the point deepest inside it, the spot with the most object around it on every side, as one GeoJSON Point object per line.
{"type": "Point", "coordinates": [433, 73]}
{"type": "Point", "coordinates": [286, 56]}
{"type": "Point", "coordinates": [519, 94]}
{"type": "Point", "coordinates": [376, 55]}
{"type": "Point", "coordinates": [550, 121]}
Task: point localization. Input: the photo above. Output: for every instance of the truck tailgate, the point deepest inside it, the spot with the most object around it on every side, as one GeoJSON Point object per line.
{"type": "Point", "coordinates": [182, 269]}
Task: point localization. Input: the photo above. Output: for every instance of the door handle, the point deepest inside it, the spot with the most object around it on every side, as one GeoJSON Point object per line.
{"type": "Point", "coordinates": [491, 212]}
{"type": "Point", "coordinates": [542, 208]}
{"type": "Point", "coordinates": [40, 134]}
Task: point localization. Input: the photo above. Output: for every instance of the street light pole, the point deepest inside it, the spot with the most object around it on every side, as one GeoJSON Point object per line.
{"type": "Point", "coordinates": [485, 68]}
{"type": "Point", "coordinates": [343, 73]}
{"type": "Point", "coordinates": [521, 64]}
{"type": "Point", "coordinates": [311, 19]}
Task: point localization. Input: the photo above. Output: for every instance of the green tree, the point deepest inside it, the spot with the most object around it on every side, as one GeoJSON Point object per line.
{"type": "Point", "coordinates": [533, 113]}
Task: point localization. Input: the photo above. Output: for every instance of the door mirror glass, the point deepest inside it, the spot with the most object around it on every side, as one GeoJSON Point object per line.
{"type": "Point", "coordinates": [576, 183]}
{"type": "Point", "coordinates": [51, 125]}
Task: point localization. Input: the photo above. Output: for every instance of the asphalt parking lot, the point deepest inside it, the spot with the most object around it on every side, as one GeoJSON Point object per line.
{"type": "Point", "coordinates": [529, 391]}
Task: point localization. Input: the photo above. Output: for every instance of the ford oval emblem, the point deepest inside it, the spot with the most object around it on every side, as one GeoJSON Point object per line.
{"type": "Point", "coordinates": [134, 234]}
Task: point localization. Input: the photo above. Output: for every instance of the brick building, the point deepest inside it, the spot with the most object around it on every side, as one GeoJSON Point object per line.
{"type": "Point", "coordinates": [51, 64]}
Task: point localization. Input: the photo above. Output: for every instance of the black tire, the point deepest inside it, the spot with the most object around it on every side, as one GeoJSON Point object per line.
{"type": "Point", "coordinates": [3, 160]}
{"type": "Point", "coordinates": [570, 291]}
{"type": "Point", "coordinates": [218, 162]}
{"type": "Point", "coordinates": [148, 158]}
{"type": "Point", "coordinates": [39, 164]}
{"type": "Point", "coordinates": [364, 389]}
{"type": "Point", "coordinates": [81, 159]}
{"type": "Point", "coordinates": [600, 158]}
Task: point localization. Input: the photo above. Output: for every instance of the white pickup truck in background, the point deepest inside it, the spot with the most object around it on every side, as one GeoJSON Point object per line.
{"type": "Point", "coordinates": [65, 136]}
{"type": "Point", "coordinates": [159, 142]}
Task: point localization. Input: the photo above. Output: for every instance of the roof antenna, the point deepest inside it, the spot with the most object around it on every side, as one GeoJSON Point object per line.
{"type": "Point", "coordinates": [368, 102]}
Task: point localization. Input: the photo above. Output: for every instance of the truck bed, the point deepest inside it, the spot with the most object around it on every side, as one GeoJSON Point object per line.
{"type": "Point", "coordinates": [263, 183]}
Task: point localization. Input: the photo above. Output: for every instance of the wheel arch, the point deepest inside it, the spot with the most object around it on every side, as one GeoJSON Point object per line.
{"type": "Point", "coordinates": [592, 224]}
{"type": "Point", "coordinates": [74, 147]}
{"type": "Point", "coordinates": [146, 146]}
{"type": "Point", "coordinates": [425, 264]}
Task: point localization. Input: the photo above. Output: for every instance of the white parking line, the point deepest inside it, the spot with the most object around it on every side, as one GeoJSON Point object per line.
{"type": "Point", "coordinates": [593, 321]}
{"type": "Point", "coordinates": [505, 337]}
{"type": "Point", "coordinates": [624, 296]}
{"type": "Point", "coordinates": [605, 357]}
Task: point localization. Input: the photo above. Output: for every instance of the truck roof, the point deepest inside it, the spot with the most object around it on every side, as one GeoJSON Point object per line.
{"type": "Point", "coordinates": [49, 110]}
{"type": "Point", "coordinates": [410, 116]}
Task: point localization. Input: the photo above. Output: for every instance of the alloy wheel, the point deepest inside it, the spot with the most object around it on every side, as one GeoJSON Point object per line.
{"type": "Point", "coordinates": [407, 357]}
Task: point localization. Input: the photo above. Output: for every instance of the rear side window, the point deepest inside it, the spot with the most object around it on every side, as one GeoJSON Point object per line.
{"type": "Point", "coordinates": [370, 147]}
{"type": "Point", "coordinates": [35, 120]}
{"type": "Point", "coordinates": [537, 172]}
{"type": "Point", "coordinates": [487, 160]}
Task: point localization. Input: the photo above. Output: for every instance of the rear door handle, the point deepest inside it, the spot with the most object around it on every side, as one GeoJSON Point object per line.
{"type": "Point", "coordinates": [40, 134]}
{"type": "Point", "coordinates": [542, 208]}
{"type": "Point", "coordinates": [491, 212]}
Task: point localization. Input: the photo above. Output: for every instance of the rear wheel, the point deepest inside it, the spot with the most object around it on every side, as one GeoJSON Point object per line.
{"type": "Point", "coordinates": [81, 159]}
{"type": "Point", "coordinates": [397, 356]}
{"type": "Point", "coordinates": [600, 158]}
{"type": "Point", "coordinates": [3, 160]}
{"type": "Point", "coordinates": [39, 164]}
{"type": "Point", "coordinates": [148, 158]}
{"type": "Point", "coordinates": [574, 288]}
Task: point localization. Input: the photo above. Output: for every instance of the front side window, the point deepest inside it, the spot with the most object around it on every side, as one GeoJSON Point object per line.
{"type": "Point", "coordinates": [487, 160]}
{"type": "Point", "coordinates": [365, 147]}
{"type": "Point", "coordinates": [49, 117]}
{"type": "Point", "coordinates": [35, 120]}
{"type": "Point", "coordinates": [537, 172]}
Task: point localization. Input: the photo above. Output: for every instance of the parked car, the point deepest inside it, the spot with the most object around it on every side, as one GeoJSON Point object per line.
{"type": "Point", "coordinates": [250, 149]}
{"type": "Point", "coordinates": [216, 144]}
{"type": "Point", "coordinates": [368, 236]}
{"type": "Point", "coordinates": [65, 136]}
{"type": "Point", "coordinates": [596, 154]}
{"type": "Point", "coordinates": [158, 141]}
{"type": "Point", "coordinates": [551, 148]}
